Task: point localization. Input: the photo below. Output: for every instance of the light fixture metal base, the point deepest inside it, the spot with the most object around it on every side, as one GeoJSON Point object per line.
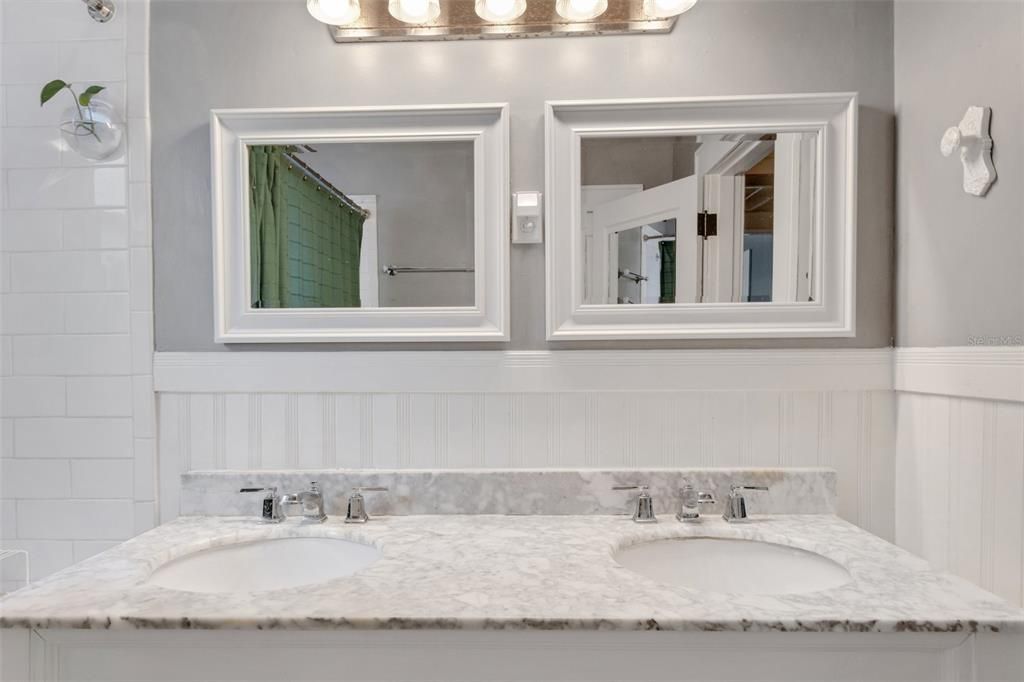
{"type": "Point", "coordinates": [459, 21]}
{"type": "Point", "coordinates": [101, 10]}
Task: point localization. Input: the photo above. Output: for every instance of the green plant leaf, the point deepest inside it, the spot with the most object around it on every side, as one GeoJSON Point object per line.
{"type": "Point", "coordinates": [86, 97]}
{"type": "Point", "coordinates": [51, 89]}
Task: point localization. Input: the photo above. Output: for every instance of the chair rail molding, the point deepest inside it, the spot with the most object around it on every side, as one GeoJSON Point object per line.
{"type": "Point", "coordinates": [984, 372]}
{"type": "Point", "coordinates": [523, 371]}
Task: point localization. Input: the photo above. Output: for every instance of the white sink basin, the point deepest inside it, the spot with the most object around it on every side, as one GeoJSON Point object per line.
{"type": "Point", "coordinates": [736, 566]}
{"type": "Point", "coordinates": [265, 565]}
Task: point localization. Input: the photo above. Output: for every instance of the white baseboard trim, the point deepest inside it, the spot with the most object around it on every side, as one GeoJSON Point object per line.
{"type": "Point", "coordinates": [523, 371]}
{"type": "Point", "coordinates": [983, 372]}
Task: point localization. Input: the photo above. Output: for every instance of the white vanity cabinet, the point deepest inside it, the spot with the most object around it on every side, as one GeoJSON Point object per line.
{"type": "Point", "coordinates": [454, 655]}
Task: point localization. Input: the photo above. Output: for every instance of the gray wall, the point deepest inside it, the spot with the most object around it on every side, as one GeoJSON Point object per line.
{"type": "Point", "coordinates": [230, 54]}
{"type": "Point", "coordinates": [424, 212]}
{"type": "Point", "coordinates": [648, 161]}
{"type": "Point", "coordinates": [961, 259]}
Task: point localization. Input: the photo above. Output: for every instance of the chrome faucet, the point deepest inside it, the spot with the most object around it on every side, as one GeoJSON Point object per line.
{"type": "Point", "coordinates": [690, 500]}
{"type": "Point", "coordinates": [271, 511]}
{"type": "Point", "coordinates": [312, 501]}
{"type": "Point", "coordinates": [736, 505]}
{"type": "Point", "coordinates": [643, 512]}
{"type": "Point", "coordinates": [357, 504]}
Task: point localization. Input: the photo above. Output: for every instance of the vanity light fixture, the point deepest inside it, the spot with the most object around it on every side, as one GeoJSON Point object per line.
{"type": "Point", "coordinates": [500, 11]}
{"type": "Point", "coordinates": [415, 20]}
{"type": "Point", "coordinates": [415, 11]}
{"type": "Point", "coordinates": [663, 9]}
{"type": "Point", "coordinates": [334, 12]}
{"type": "Point", "coordinates": [581, 10]}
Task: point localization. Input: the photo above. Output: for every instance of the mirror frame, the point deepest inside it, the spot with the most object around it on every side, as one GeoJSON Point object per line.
{"type": "Point", "coordinates": [832, 115]}
{"type": "Point", "coordinates": [231, 130]}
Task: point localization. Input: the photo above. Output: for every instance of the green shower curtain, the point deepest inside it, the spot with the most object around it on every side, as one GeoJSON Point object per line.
{"type": "Point", "coordinates": [305, 242]}
{"type": "Point", "coordinates": [265, 198]}
{"type": "Point", "coordinates": [667, 251]}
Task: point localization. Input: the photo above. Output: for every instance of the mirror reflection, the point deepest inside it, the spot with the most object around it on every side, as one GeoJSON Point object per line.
{"type": "Point", "coordinates": [725, 218]}
{"type": "Point", "coordinates": [361, 225]}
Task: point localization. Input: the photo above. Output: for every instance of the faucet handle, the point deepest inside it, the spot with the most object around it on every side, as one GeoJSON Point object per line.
{"type": "Point", "coordinates": [736, 507]}
{"type": "Point", "coordinates": [356, 512]}
{"type": "Point", "coordinates": [748, 487]}
{"type": "Point", "coordinates": [644, 510]}
{"type": "Point", "coordinates": [271, 512]}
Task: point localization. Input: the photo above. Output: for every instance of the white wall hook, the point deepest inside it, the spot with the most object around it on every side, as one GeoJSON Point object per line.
{"type": "Point", "coordinates": [972, 139]}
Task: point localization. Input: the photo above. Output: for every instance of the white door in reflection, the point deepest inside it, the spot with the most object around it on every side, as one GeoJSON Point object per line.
{"type": "Point", "coordinates": [633, 232]}
{"type": "Point", "coordinates": [723, 218]}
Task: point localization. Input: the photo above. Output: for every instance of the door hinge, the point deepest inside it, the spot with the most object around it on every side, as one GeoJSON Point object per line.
{"type": "Point", "coordinates": [707, 224]}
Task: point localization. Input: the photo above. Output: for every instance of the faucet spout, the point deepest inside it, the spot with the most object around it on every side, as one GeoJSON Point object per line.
{"type": "Point", "coordinates": [311, 500]}
{"type": "Point", "coordinates": [690, 500]}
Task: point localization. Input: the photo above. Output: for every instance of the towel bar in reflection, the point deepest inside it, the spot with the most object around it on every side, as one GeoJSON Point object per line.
{"type": "Point", "coordinates": [392, 270]}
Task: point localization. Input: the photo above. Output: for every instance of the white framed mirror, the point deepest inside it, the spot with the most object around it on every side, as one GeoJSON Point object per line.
{"type": "Point", "coordinates": [361, 224]}
{"type": "Point", "coordinates": [728, 217]}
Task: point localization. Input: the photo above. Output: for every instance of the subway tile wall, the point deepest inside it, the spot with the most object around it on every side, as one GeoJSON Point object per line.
{"type": "Point", "coordinates": [77, 421]}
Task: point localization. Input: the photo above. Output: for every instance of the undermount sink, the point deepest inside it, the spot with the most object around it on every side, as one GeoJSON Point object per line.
{"type": "Point", "coordinates": [265, 565]}
{"type": "Point", "coordinates": [735, 566]}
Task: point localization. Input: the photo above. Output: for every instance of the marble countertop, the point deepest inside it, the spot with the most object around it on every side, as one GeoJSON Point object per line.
{"type": "Point", "coordinates": [511, 572]}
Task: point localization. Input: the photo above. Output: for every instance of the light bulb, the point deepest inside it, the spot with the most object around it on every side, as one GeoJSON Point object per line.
{"type": "Point", "coordinates": [334, 12]}
{"type": "Point", "coordinates": [415, 11]}
{"type": "Point", "coordinates": [581, 10]}
{"type": "Point", "coordinates": [500, 10]}
{"type": "Point", "coordinates": [662, 9]}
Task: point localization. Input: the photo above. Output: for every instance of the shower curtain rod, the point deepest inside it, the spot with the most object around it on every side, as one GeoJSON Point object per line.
{"type": "Point", "coordinates": [326, 185]}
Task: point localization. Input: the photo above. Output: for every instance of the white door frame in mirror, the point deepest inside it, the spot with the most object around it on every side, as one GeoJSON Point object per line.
{"type": "Point", "coordinates": [485, 125]}
{"type": "Point", "coordinates": [831, 314]}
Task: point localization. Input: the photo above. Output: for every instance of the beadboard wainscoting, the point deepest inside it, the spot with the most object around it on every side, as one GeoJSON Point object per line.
{"type": "Point", "coordinates": [570, 409]}
{"type": "Point", "coordinates": [960, 462]}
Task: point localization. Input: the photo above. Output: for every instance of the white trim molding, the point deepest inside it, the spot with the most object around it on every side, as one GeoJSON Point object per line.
{"type": "Point", "coordinates": [236, 321]}
{"type": "Point", "coordinates": [832, 116]}
{"type": "Point", "coordinates": [523, 371]}
{"type": "Point", "coordinates": [984, 372]}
